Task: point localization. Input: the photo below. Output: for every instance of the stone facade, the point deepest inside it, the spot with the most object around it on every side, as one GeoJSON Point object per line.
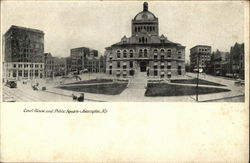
{"type": "Point", "coordinates": [145, 51]}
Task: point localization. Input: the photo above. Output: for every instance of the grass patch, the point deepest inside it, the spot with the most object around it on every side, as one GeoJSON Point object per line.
{"type": "Point", "coordinates": [107, 89]}
{"type": "Point", "coordinates": [164, 89]}
{"type": "Point", "coordinates": [91, 81]}
{"type": "Point", "coordinates": [193, 81]}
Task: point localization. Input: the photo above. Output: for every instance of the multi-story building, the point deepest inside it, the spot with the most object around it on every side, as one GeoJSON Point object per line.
{"type": "Point", "coordinates": [220, 63]}
{"type": "Point", "coordinates": [68, 65]}
{"type": "Point", "coordinates": [77, 58]}
{"type": "Point", "coordinates": [48, 65]}
{"type": "Point", "coordinates": [60, 66]}
{"type": "Point", "coordinates": [199, 54]}
{"type": "Point", "coordinates": [84, 59]}
{"type": "Point", "coordinates": [145, 51]}
{"type": "Point", "coordinates": [23, 53]}
{"type": "Point", "coordinates": [237, 60]}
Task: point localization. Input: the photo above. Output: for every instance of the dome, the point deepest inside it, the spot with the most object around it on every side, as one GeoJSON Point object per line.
{"type": "Point", "coordinates": [145, 14]}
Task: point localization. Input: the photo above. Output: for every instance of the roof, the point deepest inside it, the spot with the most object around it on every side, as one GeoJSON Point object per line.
{"type": "Point", "coordinates": [200, 46]}
{"type": "Point", "coordinates": [145, 14]}
{"type": "Point", "coordinates": [24, 28]}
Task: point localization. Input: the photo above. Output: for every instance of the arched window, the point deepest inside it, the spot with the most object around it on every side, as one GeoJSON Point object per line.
{"type": "Point", "coordinates": [146, 40]}
{"type": "Point", "coordinates": [153, 28]}
{"type": "Point", "coordinates": [155, 53]}
{"type": "Point", "coordinates": [135, 29]}
{"type": "Point", "coordinates": [145, 53]}
{"type": "Point", "coordinates": [142, 39]}
{"type": "Point", "coordinates": [169, 52]}
{"type": "Point", "coordinates": [140, 52]}
{"type": "Point", "coordinates": [118, 53]}
{"type": "Point", "coordinates": [131, 53]}
{"type": "Point", "coordinates": [147, 28]}
{"type": "Point", "coordinates": [162, 53]}
{"type": "Point", "coordinates": [124, 53]}
{"type": "Point", "coordinates": [139, 40]}
{"type": "Point", "coordinates": [150, 28]}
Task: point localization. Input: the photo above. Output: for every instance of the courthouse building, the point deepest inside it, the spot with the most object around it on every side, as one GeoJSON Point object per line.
{"type": "Point", "coordinates": [145, 51]}
{"type": "Point", "coordinates": [23, 53]}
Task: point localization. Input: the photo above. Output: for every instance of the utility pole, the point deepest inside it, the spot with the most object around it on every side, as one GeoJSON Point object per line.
{"type": "Point", "coordinates": [197, 79]}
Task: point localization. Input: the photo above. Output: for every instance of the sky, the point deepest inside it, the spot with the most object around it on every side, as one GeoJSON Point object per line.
{"type": "Point", "coordinates": [99, 24]}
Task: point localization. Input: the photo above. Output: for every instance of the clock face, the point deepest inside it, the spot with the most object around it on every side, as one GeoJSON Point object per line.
{"type": "Point", "coordinates": [144, 16]}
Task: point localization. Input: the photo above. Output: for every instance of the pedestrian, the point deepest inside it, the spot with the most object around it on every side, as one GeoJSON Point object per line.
{"type": "Point", "coordinates": [81, 98]}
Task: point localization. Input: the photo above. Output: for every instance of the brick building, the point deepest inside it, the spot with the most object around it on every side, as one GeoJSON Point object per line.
{"type": "Point", "coordinates": [23, 53]}
{"type": "Point", "coordinates": [84, 59]}
{"type": "Point", "coordinates": [203, 52]}
{"type": "Point", "coordinates": [145, 51]}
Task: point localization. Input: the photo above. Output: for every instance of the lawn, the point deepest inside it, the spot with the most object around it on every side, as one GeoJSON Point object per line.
{"type": "Point", "coordinates": [91, 81]}
{"type": "Point", "coordinates": [194, 81]}
{"type": "Point", "coordinates": [107, 89]}
{"type": "Point", "coordinates": [164, 89]}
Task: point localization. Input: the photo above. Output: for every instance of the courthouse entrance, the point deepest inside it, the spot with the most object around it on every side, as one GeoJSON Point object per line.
{"type": "Point", "coordinates": [143, 66]}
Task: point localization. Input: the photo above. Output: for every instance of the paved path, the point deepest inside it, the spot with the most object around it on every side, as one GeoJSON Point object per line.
{"type": "Point", "coordinates": [134, 93]}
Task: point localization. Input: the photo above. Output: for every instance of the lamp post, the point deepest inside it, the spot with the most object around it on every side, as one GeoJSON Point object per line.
{"type": "Point", "coordinates": [197, 79]}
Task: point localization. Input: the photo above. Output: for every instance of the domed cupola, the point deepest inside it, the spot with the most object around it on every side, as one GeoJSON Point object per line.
{"type": "Point", "coordinates": [145, 21]}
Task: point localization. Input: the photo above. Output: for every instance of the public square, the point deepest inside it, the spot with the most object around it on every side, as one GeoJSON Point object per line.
{"type": "Point", "coordinates": [134, 91]}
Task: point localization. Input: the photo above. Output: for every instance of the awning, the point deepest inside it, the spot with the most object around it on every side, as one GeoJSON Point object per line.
{"type": "Point", "coordinates": [124, 72]}
{"type": "Point", "coordinates": [124, 63]}
{"type": "Point", "coordinates": [179, 64]}
{"type": "Point", "coordinates": [169, 72]}
{"type": "Point", "coordinates": [162, 64]}
{"type": "Point", "coordinates": [110, 64]}
{"type": "Point", "coordinates": [155, 64]}
{"type": "Point", "coordinates": [169, 63]}
{"type": "Point", "coordinates": [118, 72]}
{"type": "Point", "coordinates": [162, 73]}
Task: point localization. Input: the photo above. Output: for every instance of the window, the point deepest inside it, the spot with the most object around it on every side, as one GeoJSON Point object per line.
{"type": "Point", "coordinates": [131, 64]}
{"type": "Point", "coordinates": [155, 55]}
{"type": "Point", "coordinates": [145, 53]}
{"type": "Point", "coordinates": [14, 73]}
{"type": "Point", "coordinates": [135, 29]}
{"type": "Point", "coordinates": [155, 72]}
{"type": "Point", "coordinates": [124, 53]}
{"type": "Point", "coordinates": [25, 73]}
{"type": "Point", "coordinates": [36, 73]}
{"type": "Point", "coordinates": [118, 64]}
{"type": "Point", "coordinates": [20, 73]}
{"type": "Point", "coordinates": [162, 65]}
{"type": "Point", "coordinates": [169, 53]}
{"type": "Point", "coordinates": [31, 73]}
{"type": "Point", "coordinates": [140, 53]}
{"type": "Point", "coordinates": [131, 53]}
{"type": "Point", "coordinates": [14, 65]}
{"type": "Point", "coordinates": [118, 54]}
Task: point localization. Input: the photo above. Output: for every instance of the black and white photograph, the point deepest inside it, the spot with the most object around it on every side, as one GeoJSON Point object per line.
{"type": "Point", "coordinates": [124, 81]}
{"type": "Point", "coordinates": [123, 52]}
